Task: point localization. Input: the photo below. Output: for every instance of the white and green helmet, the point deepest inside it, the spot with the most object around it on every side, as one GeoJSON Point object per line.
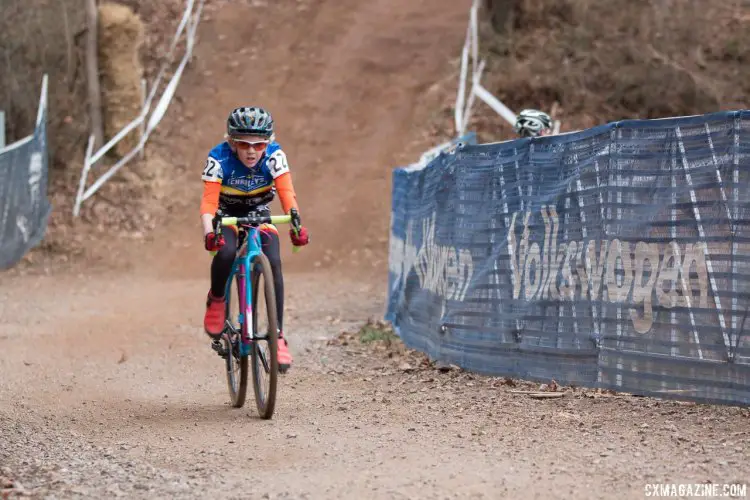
{"type": "Point", "coordinates": [531, 122]}
{"type": "Point", "coordinates": [250, 121]}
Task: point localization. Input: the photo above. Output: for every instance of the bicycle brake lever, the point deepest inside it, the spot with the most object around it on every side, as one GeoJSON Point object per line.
{"type": "Point", "coordinates": [296, 222]}
{"type": "Point", "coordinates": [296, 226]}
{"type": "Point", "coordinates": [217, 225]}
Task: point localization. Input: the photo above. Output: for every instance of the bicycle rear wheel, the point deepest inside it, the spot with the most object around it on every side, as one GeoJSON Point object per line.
{"type": "Point", "coordinates": [265, 364]}
{"type": "Point", "coordinates": [236, 328]}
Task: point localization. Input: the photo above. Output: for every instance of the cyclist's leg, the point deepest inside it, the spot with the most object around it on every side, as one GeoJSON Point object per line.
{"type": "Point", "coordinates": [269, 239]}
{"type": "Point", "coordinates": [221, 266]}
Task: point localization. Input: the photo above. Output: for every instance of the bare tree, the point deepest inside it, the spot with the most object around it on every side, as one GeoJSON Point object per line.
{"type": "Point", "coordinates": [39, 37]}
{"type": "Point", "coordinates": [92, 70]}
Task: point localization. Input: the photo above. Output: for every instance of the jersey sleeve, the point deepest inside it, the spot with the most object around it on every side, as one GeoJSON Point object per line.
{"type": "Point", "coordinates": [277, 164]}
{"type": "Point", "coordinates": [210, 198]}
{"type": "Point", "coordinates": [212, 171]}
{"type": "Point", "coordinates": [285, 188]}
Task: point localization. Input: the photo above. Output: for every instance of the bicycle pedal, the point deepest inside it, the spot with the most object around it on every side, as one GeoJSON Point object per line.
{"type": "Point", "coordinates": [216, 346]}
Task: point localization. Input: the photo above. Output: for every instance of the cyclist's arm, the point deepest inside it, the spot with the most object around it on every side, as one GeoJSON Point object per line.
{"type": "Point", "coordinates": [209, 204]}
{"type": "Point", "coordinates": [282, 180]}
{"type": "Point", "coordinates": [287, 196]}
{"type": "Point", "coordinates": [212, 179]}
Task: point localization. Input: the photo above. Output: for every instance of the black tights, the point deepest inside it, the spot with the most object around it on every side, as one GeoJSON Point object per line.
{"type": "Point", "coordinates": [222, 266]}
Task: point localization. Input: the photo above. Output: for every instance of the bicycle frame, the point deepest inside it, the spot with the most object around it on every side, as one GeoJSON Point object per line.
{"type": "Point", "coordinates": [242, 266]}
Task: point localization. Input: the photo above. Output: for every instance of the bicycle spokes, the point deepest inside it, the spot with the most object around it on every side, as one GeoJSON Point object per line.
{"type": "Point", "coordinates": [232, 341]}
{"type": "Point", "coordinates": [263, 355]}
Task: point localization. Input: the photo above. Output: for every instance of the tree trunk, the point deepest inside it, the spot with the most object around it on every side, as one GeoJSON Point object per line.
{"type": "Point", "coordinates": [502, 14]}
{"type": "Point", "coordinates": [92, 74]}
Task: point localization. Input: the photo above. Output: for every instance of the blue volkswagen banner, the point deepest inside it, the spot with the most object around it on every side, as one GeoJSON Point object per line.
{"type": "Point", "coordinates": [24, 207]}
{"type": "Point", "coordinates": [617, 257]}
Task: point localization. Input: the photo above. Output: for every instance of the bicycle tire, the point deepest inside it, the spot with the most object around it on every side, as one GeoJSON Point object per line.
{"type": "Point", "coordinates": [264, 400]}
{"type": "Point", "coordinates": [236, 382]}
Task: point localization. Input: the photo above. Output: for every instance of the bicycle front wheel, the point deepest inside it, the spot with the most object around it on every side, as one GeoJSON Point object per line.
{"type": "Point", "coordinates": [265, 364]}
{"type": "Point", "coordinates": [236, 360]}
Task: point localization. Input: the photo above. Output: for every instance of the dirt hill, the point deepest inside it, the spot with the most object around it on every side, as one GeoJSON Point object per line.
{"type": "Point", "coordinates": [591, 62]}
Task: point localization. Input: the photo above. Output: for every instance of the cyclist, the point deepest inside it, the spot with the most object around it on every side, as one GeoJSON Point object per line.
{"type": "Point", "coordinates": [242, 175]}
{"type": "Point", "coordinates": [533, 123]}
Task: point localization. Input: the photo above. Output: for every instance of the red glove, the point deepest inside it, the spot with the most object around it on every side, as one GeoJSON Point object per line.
{"type": "Point", "coordinates": [301, 239]}
{"type": "Point", "coordinates": [213, 244]}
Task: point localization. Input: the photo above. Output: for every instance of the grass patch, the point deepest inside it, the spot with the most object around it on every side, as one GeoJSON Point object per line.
{"type": "Point", "coordinates": [376, 332]}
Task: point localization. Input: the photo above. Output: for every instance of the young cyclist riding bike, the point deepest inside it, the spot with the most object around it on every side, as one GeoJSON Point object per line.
{"type": "Point", "coordinates": [242, 176]}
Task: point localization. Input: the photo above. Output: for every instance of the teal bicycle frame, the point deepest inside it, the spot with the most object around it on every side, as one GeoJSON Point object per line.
{"type": "Point", "coordinates": [242, 267]}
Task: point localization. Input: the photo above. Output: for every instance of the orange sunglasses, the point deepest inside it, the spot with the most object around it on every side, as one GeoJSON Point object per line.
{"type": "Point", "coordinates": [255, 145]}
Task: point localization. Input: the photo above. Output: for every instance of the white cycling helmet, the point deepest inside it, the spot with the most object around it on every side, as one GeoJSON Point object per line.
{"type": "Point", "coordinates": [531, 123]}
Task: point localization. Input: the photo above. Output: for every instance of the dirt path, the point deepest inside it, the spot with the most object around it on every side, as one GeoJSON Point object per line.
{"type": "Point", "coordinates": [114, 391]}
{"type": "Point", "coordinates": [109, 388]}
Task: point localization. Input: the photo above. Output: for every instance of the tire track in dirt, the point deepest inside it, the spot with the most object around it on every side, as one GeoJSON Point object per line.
{"type": "Point", "coordinates": [363, 107]}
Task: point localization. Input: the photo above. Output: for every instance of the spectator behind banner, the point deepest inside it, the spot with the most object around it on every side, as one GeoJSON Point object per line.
{"type": "Point", "coordinates": [533, 123]}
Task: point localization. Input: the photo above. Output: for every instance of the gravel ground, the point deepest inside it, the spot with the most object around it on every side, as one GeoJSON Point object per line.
{"type": "Point", "coordinates": [138, 407]}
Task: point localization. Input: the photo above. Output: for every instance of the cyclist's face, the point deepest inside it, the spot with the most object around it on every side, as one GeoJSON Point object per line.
{"type": "Point", "coordinates": [249, 149]}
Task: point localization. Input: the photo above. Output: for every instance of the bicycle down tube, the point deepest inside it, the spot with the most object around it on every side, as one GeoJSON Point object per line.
{"type": "Point", "coordinates": [242, 266]}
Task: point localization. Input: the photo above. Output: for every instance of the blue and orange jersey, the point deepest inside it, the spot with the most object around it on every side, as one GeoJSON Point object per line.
{"type": "Point", "coordinates": [235, 189]}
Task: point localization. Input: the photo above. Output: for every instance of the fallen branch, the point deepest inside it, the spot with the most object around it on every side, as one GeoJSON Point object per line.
{"type": "Point", "coordinates": [540, 395]}
{"type": "Point", "coordinates": [547, 395]}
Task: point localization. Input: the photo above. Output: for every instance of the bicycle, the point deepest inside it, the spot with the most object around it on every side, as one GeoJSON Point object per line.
{"type": "Point", "coordinates": [241, 339]}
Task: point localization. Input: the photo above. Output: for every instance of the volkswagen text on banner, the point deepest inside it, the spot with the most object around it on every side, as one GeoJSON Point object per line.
{"type": "Point", "coordinates": [616, 257]}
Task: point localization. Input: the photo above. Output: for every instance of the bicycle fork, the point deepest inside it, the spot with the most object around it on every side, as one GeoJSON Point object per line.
{"type": "Point", "coordinates": [246, 311]}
